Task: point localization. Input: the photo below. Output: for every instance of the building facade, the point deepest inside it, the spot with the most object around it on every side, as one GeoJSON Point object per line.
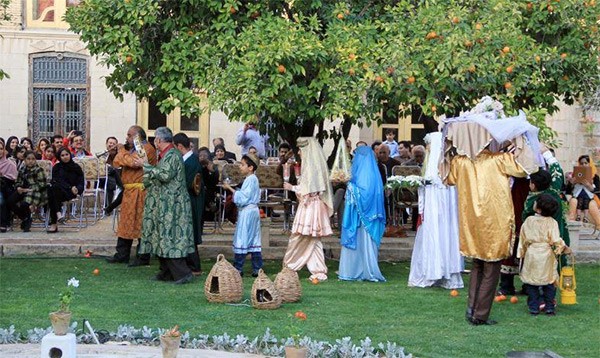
{"type": "Point", "coordinates": [55, 86]}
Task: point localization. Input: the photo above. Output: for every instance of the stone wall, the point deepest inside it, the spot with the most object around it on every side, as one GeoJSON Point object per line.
{"type": "Point", "coordinates": [578, 131]}
{"type": "Point", "coordinates": [15, 10]}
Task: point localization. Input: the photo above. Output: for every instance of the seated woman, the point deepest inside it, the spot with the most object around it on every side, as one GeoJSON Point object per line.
{"type": "Point", "coordinates": [583, 203]}
{"type": "Point", "coordinates": [220, 154]}
{"type": "Point", "coordinates": [67, 183]}
{"type": "Point", "coordinates": [40, 149]}
{"type": "Point", "coordinates": [8, 176]}
{"type": "Point", "coordinates": [30, 193]}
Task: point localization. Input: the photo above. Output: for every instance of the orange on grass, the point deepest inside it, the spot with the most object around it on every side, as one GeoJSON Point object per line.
{"type": "Point", "coordinates": [514, 299]}
{"type": "Point", "coordinates": [454, 293]}
{"type": "Point", "coordinates": [96, 272]}
{"type": "Point", "coordinates": [315, 281]}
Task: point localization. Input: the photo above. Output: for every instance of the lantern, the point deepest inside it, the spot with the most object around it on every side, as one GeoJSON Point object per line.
{"type": "Point", "coordinates": [567, 284]}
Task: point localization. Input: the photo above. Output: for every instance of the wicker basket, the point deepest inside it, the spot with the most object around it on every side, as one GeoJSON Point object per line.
{"type": "Point", "coordinates": [224, 283]}
{"type": "Point", "coordinates": [264, 293]}
{"type": "Point", "coordinates": [288, 285]}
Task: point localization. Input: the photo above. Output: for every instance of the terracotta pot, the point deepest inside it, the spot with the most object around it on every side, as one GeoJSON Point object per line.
{"type": "Point", "coordinates": [296, 352]}
{"type": "Point", "coordinates": [60, 322]}
{"type": "Point", "coordinates": [170, 346]}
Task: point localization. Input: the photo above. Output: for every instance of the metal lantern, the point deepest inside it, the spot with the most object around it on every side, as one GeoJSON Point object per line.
{"type": "Point", "coordinates": [567, 284]}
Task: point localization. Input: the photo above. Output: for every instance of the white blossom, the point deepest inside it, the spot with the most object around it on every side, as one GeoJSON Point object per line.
{"type": "Point", "coordinates": [73, 282]}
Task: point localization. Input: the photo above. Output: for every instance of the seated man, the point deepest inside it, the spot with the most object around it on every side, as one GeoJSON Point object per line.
{"type": "Point", "coordinates": [404, 151]}
{"type": "Point", "coordinates": [418, 156]}
{"type": "Point", "coordinates": [383, 157]}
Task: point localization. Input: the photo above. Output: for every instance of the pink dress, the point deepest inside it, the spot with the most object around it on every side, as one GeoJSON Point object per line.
{"type": "Point", "coordinates": [305, 247]}
{"type": "Point", "coordinates": [312, 217]}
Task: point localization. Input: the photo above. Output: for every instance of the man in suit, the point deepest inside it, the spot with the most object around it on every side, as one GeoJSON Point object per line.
{"type": "Point", "coordinates": [195, 188]}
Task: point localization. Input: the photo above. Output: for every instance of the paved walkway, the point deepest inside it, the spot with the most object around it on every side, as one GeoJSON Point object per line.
{"type": "Point", "coordinates": [113, 350]}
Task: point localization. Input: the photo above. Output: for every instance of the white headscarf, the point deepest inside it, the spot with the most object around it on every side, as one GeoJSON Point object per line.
{"type": "Point", "coordinates": [315, 173]}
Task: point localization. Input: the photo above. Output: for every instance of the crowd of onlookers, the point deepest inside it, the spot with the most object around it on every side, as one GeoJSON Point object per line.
{"type": "Point", "coordinates": [24, 188]}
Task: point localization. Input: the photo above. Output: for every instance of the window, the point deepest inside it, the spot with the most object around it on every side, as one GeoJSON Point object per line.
{"type": "Point", "coordinates": [60, 95]}
{"type": "Point", "coordinates": [48, 13]}
{"type": "Point", "coordinates": [196, 126]}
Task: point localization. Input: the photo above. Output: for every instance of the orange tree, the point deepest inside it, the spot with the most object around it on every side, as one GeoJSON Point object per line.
{"type": "Point", "coordinates": [303, 63]}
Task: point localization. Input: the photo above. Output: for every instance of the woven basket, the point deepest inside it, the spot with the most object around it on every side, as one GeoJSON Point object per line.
{"type": "Point", "coordinates": [288, 285]}
{"type": "Point", "coordinates": [264, 293]}
{"type": "Point", "coordinates": [224, 283]}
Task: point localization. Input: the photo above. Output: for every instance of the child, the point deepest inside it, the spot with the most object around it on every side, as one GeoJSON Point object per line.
{"type": "Point", "coordinates": [247, 231]}
{"type": "Point", "coordinates": [539, 244]}
{"type": "Point", "coordinates": [391, 143]}
{"type": "Point", "coordinates": [31, 190]}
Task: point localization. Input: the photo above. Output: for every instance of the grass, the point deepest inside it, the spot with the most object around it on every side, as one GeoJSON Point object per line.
{"type": "Point", "coordinates": [427, 322]}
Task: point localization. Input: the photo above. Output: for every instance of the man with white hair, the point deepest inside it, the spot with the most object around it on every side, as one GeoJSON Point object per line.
{"type": "Point", "coordinates": [167, 230]}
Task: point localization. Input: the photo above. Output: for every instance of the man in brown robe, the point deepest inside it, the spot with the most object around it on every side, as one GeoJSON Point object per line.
{"type": "Point", "coordinates": [132, 207]}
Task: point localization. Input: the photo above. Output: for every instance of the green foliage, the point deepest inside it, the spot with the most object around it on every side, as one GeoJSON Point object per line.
{"type": "Point", "coordinates": [316, 61]}
{"type": "Point", "coordinates": [4, 16]}
{"type": "Point", "coordinates": [427, 322]}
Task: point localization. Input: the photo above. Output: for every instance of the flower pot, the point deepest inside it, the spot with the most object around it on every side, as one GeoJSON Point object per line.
{"type": "Point", "coordinates": [170, 346]}
{"type": "Point", "coordinates": [296, 352]}
{"type": "Point", "coordinates": [60, 322]}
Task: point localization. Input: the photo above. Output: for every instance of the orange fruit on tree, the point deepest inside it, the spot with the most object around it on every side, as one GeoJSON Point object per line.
{"type": "Point", "coordinates": [506, 49]}
{"type": "Point", "coordinates": [411, 80]}
{"type": "Point", "coordinates": [509, 69]}
{"type": "Point", "coordinates": [508, 85]}
{"type": "Point", "coordinates": [529, 6]}
{"type": "Point", "coordinates": [129, 59]}
{"type": "Point", "coordinates": [433, 109]}
{"type": "Point", "coordinates": [96, 272]}
{"type": "Point", "coordinates": [232, 10]}
{"type": "Point", "coordinates": [514, 299]}
{"type": "Point", "coordinates": [478, 26]}
{"type": "Point", "coordinates": [455, 20]}
{"type": "Point", "coordinates": [340, 16]}
{"type": "Point", "coordinates": [281, 69]}
{"type": "Point", "coordinates": [563, 55]}
{"type": "Point", "coordinates": [454, 293]}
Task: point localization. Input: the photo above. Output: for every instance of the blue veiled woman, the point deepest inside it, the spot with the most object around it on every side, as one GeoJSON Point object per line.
{"type": "Point", "coordinates": [364, 220]}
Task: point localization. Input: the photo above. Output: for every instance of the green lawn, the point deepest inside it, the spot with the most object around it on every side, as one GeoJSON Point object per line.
{"type": "Point", "coordinates": [427, 322]}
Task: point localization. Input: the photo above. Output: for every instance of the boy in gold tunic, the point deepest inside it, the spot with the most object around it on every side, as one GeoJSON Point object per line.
{"type": "Point", "coordinates": [539, 244]}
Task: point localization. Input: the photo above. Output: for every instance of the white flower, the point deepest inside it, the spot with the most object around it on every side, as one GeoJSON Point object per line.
{"type": "Point", "coordinates": [73, 282]}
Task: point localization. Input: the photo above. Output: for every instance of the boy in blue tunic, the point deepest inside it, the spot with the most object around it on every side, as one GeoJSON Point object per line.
{"type": "Point", "coordinates": [247, 231]}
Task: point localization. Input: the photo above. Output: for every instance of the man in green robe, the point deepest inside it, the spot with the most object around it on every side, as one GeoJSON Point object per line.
{"type": "Point", "coordinates": [167, 230]}
{"type": "Point", "coordinates": [195, 188]}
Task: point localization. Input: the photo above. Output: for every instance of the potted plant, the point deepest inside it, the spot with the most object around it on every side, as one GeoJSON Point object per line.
{"type": "Point", "coordinates": [61, 319]}
{"type": "Point", "coordinates": [169, 342]}
{"type": "Point", "coordinates": [296, 351]}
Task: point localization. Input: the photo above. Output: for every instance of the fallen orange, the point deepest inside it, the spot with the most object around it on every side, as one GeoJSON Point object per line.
{"type": "Point", "coordinates": [454, 293]}
{"type": "Point", "coordinates": [96, 272]}
{"type": "Point", "coordinates": [514, 299]}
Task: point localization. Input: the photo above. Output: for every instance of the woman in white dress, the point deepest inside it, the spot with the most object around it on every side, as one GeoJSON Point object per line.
{"type": "Point", "coordinates": [436, 259]}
